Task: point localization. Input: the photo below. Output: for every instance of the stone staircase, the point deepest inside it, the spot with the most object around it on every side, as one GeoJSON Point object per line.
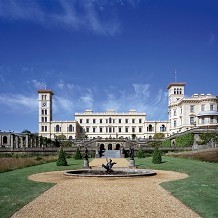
{"type": "Point", "coordinates": [111, 154]}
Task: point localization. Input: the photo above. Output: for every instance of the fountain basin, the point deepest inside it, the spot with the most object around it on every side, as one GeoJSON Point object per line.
{"type": "Point", "coordinates": [115, 173]}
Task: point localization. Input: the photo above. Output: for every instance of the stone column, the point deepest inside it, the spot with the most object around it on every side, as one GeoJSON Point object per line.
{"type": "Point", "coordinates": [12, 141]}
{"type": "Point", "coordinates": [17, 141]}
{"type": "Point", "coordinates": [21, 141]}
{"type": "Point", "coordinates": [27, 141]}
{"type": "Point", "coordinates": [1, 140]}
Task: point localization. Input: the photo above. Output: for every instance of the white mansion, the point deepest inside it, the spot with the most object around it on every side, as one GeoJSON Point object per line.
{"type": "Point", "coordinates": [197, 111]}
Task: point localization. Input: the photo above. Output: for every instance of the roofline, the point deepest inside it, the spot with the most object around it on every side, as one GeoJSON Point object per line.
{"type": "Point", "coordinates": [45, 91]}
{"type": "Point", "coordinates": [176, 84]}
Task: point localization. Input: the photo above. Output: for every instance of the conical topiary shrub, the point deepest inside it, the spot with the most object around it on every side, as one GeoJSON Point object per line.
{"type": "Point", "coordinates": [78, 154]}
{"type": "Point", "coordinates": [61, 161]}
{"type": "Point", "coordinates": [140, 153]}
{"type": "Point", "coordinates": [157, 159]}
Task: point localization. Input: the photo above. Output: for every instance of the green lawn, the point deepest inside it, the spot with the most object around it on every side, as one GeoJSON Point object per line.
{"type": "Point", "coordinates": [16, 190]}
{"type": "Point", "coordinates": [199, 191]}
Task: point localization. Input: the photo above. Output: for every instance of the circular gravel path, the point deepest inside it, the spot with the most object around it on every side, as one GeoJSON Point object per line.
{"type": "Point", "coordinates": [106, 197]}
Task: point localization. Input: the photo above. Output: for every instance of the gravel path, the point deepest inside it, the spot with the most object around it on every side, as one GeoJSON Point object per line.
{"type": "Point", "coordinates": [106, 197]}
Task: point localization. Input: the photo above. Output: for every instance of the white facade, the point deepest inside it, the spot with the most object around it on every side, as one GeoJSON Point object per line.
{"type": "Point", "coordinates": [184, 113]}
{"type": "Point", "coordinates": [197, 111]}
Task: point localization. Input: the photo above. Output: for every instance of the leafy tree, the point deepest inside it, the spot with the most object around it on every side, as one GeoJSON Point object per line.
{"type": "Point", "coordinates": [157, 159]}
{"type": "Point", "coordinates": [61, 137]}
{"type": "Point", "coordinates": [61, 158]}
{"type": "Point", "coordinates": [159, 135]}
{"type": "Point", "coordinates": [78, 154]}
{"type": "Point", "coordinates": [185, 140]}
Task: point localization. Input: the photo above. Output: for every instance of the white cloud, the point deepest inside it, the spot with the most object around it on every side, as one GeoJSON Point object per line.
{"type": "Point", "coordinates": [73, 98]}
{"type": "Point", "coordinates": [19, 102]}
{"type": "Point", "coordinates": [84, 15]}
{"type": "Point", "coordinates": [38, 84]}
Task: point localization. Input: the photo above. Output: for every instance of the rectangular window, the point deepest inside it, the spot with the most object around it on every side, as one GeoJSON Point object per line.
{"type": "Point", "coordinates": [100, 129]}
{"type": "Point", "coordinates": [120, 129]}
{"type": "Point", "coordinates": [211, 107]}
{"type": "Point", "coordinates": [211, 119]}
{"type": "Point", "coordinates": [174, 123]}
{"type": "Point", "coordinates": [110, 129]}
{"type": "Point", "coordinates": [42, 129]}
{"type": "Point", "coordinates": [126, 129]}
{"type": "Point", "coordinates": [202, 120]}
{"type": "Point", "coordinates": [100, 120]}
{"type": "Point", "coordinates": [45, 128]}
{"type": "Point", "coordinates": [140, 129]}
{"type": "Point", "coordinates": [192, 108]}
{"type": "Point", "coordinates": [87, 120]}
{"type": "Point", "coordinates": [126, 120]}
{"type": "Point", "coordinates": [140, 120]}
{"type": "Point", "coordinates": [93, 120]}
{"type": "Point", "coordinates": [202, 107]}
{"type": "Point", "coordinates": [93, 129]}
{"type": "Point", "coordinates": [81, 129]}
{"type": "Point", "coordinates": [119, 120]}
{"type": "Point", "coordinates": [174, 112]}
{"type": "Point", "coordinates": [133, 129]}
{"type": "Point", "coordinates": [81, 120]}
{"type": "Point", "coordinates": [192, 120]}
{"type": "Point", "coordinates": [133, 120]}
{"type": "Point", "coordinates": [87, 129]}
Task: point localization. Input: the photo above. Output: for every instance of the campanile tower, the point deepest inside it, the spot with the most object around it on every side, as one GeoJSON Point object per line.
{"type": "Point", "coordinates": [45, 112]}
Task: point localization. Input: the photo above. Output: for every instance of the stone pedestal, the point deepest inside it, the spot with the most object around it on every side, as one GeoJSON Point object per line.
{"type": "Point", "coordinates": [86, 164]}
{"type": "Point", "coordinates": [132, 163]}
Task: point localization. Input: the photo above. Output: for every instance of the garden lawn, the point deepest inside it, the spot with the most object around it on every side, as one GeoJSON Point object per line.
{"type": "Point", "coordinates": [199, 191]}
{"type": "Point", "coordinates": [16, 190]}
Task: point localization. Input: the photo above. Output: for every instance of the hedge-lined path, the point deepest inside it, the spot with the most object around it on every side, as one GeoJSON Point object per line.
{"type": "Point", "coordinates": [106, 197]}
{"type": "Point", "coordinates": [120, 162]}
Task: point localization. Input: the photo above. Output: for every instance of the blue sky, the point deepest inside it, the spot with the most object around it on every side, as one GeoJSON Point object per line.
{"type": "Point", "coordinates": [108, 54]}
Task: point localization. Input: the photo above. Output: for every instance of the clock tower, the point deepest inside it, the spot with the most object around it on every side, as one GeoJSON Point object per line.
{"type": "Point", "coordinates": [45, 112]}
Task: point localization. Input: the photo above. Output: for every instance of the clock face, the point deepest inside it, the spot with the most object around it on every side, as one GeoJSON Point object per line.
{"type": "Point", "coordinates": [43, 104]}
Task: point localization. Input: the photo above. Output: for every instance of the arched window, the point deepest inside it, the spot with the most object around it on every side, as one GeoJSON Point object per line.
{"type": "Point", "coordinates": [57, 128]}
{"type": "Point", "coordinates": [117, 147]}
{"type": "Point", "coordinates": [177, 92]}
{"type": "Point", "coordinates": [110, 120]}
{"type": "Point", "coordinates": [163, 128]}
{"type": "Point", "coordinates": [150, 137]}
{"type": "Point", "coordinates": [70, 137]}
{"type": "Point", "coordinates": [180, 91]}
{"type": "Point", "coordinates": [109, 146]}
{"type": "Point", "coordinates": [174, 90]}
{"type": "Point", "coordinates": [70, 128]}
{"type": "Point", "coordinates": [150, 128]}
{"type": "Point", "coordinates": [5, 140]}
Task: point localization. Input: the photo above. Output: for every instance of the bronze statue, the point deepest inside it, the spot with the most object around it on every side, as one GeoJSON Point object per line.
{"type": "Point", "coordinates": [131, 153]}
{"type": "Point", "coordinates": [109, 165]}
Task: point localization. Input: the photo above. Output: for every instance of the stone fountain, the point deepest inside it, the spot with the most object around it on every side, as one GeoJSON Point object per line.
{"type": "Point", "coordinates": [107, 171]}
